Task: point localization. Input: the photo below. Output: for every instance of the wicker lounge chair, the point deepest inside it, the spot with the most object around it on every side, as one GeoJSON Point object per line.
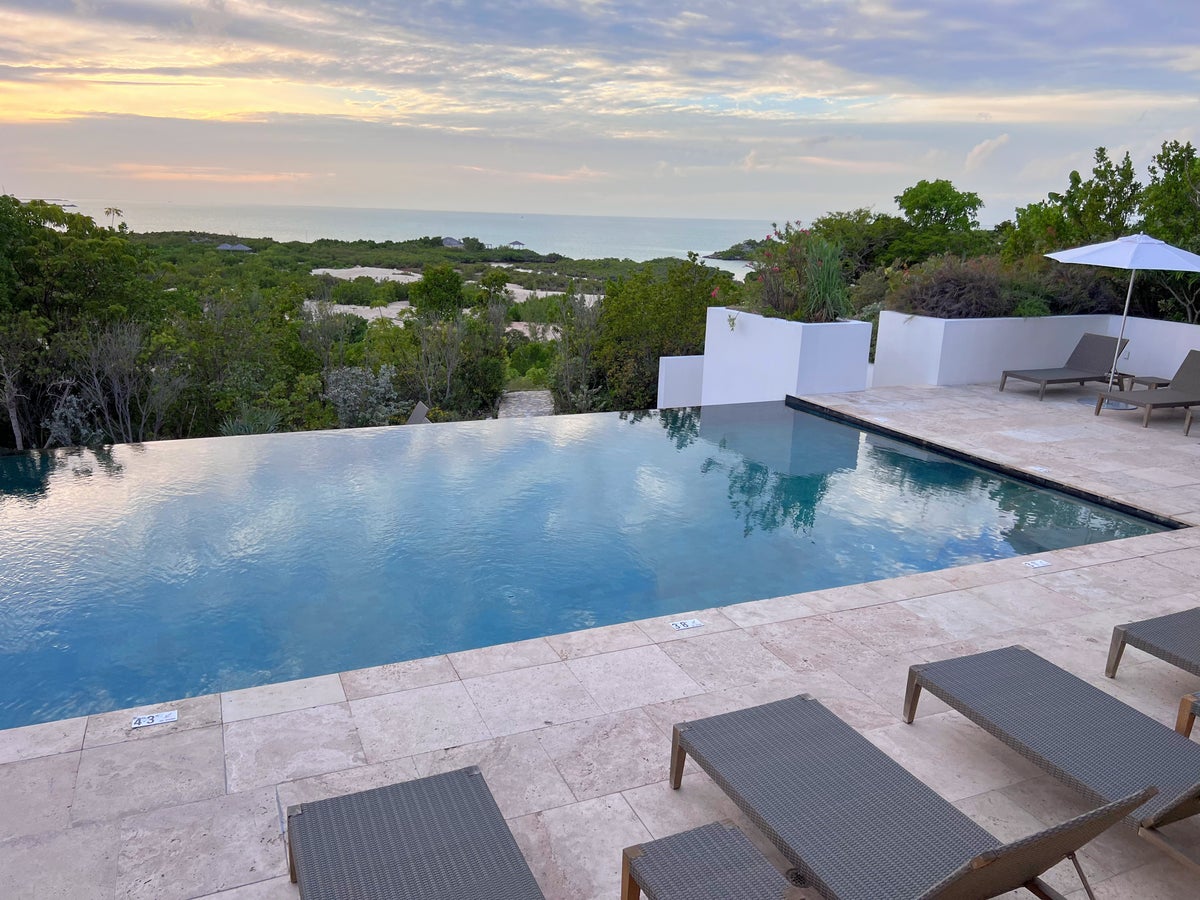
{"type": "Point", "coordinates": [1076, 732]}
{"type": "Point", "coordinates": [1091, 360]}
{"type": "Point", "coordinates": [1183, 391]}
{"type": "Point", "coordinates": [1174, 638]}
{"type": "Point", "coordinates": [436, 837]}
{"type": "Point", "coordinates": [853, 821]}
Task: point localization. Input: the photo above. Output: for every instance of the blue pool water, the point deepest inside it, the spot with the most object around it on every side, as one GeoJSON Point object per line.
{"type": "Point", "coordinates": [158, 571]}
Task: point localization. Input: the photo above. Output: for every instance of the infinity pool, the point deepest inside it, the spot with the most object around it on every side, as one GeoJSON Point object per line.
{"type": "Point", "coordinates": [159, 571]}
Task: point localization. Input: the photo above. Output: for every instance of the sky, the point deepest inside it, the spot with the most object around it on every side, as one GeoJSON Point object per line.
{"type": "Point", "coordinates": [773, 111]}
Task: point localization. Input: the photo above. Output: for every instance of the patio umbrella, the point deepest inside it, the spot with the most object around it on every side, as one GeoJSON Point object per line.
{"type": "Point", "coordinates": [1132, 252]}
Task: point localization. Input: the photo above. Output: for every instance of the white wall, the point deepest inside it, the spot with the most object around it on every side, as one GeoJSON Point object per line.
{"type": "Point", "coordinates": [761, 359]}
{"type": "Point", "coordinates": [923, 350]}
{"type": "Point", "coordinates": [679, 381]}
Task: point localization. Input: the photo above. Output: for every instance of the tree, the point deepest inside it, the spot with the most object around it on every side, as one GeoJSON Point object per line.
{"type": "Point", "coordinates": [439, 293]}
{"type": "Point", "coordinates": [938, 204]}
{"type": "Point", "coordinates": [112, 212]}
{"type": "Point", "coordinates": [361, 397]}
{"type": "Point", "coordinates": [1171, 206]}
{"type": "Point", "coordinates": [575, 385]}
{"type": "Point", "coordinates": [645, 317]}
{"type": "Point", "coordinates": [1105, 206]}
{"type": "Point", "coordinates": [865, 236]}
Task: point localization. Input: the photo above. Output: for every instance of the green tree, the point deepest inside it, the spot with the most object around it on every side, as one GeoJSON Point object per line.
{"type": "Point", "coordinates": [1103, 207]}
{"type": "Point", "coordinates": [439, 293]}
{"type": "Point", "coordinates": [938, 204]}
{"type": "Point", "coordinates": [1171, 206]}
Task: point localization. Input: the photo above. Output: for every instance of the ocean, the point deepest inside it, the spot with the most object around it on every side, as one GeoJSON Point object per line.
{"type": "Point", "coordinates": [580, 237]}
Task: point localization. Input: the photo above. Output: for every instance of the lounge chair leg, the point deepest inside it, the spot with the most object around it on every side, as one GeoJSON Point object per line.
{"type": "Point", "coordinates": [1187, 422]}
{"type": "Point", "coordinates": [912, 694]}
{"type": "Point", "coordinates": [1153, 836]}
{"type": "Point", "coordinates": [291, 860]}
{"type": "Point", "coordinates": [1146, 417]}
{"type": "Point", "coordinates": [1187, 716]}
{"type": "Point", "coordinates": [1115, 650]}
{"type": "Point", "coordinates": [1099, 404]}
{"type": "Point", "coordinates": [1079, 871]}
{"type": "Point", "coordinates": [1043, 891]}
{"type": "Point", "coordinates": [630, 889]}
{"type": "Point", "coordinates": [678, 757]}
{"type": "Point", "coordinates": [1042, 392]}
{"type": "Point", "coordinates": [1003, 378]}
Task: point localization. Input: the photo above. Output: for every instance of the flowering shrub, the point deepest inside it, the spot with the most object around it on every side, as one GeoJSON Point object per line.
{"type": "Point", "coordinates": [799, 275]}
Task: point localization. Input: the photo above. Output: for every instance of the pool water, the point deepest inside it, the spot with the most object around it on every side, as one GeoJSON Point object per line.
{"type": "Point", "coordinates": [151, 572]}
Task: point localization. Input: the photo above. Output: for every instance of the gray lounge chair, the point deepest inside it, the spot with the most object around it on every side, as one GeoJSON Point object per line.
{"type": "Point", "coordinates": [1076, 732]}
{"type": "Point", "coordinates": [1174, 638]}
{"type": "Point", "coordinates": [1091, 360]}
{"type": "Point", "coordinates": [436, 837]}
{"type": "Point", "coordinates": [854, 822]}
{"type": "Point", "coordinates": [1182, 392]}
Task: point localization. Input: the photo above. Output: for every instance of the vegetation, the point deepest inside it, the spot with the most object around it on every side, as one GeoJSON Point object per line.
{"type": "Point", "coordinates": [111, 336]}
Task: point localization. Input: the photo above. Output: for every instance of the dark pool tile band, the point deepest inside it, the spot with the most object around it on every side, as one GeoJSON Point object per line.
{"type": "Point", "coordinates": [835, 415]}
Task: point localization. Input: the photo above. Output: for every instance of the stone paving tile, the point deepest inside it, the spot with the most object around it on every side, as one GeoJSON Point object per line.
{"type": "Point", "coordinates": [891, 626]}
{"type": "Point", "coordinates": [200, 848]}
{"type": "Point", "coordinates": [406, 723]}
{"type": "Point", "coordinates": [502, 658]}
{"type": "Point", "coordinates": [725, 659]}
{"type": "Point", "coordinates": [591, 641]}
{"type": "Point", "coordinates": [283, 747]}
{"type": "Point", "coordinates": [530, 698]}
{"type": "Point", "coordinates": [283, 697]}
{"type": "Point", "coordinates": [774, 609]}
{"type": "Point", "coordinates": [813, 643]}
{"type": "Point", "coordinates": [280, 888]}
{"type": "Point", "coordinates": [399, 676]}
{"type": "Point", "coordinates": [520, 775]}
{"type": "Point", "coordinates": [118, 779]}
{"type": "Point", "coordinates": [36, 794]}
{"type": "Point", "coordinates": [575, 851]}
{"type": "Point", "coordinates": [659, 629]}
{"type": "Point", "coordinates": [48, 739]}
{"type": "Point", "coordinates": [635, 677]}
{"type": "Point", "coordinates": [77, 863]}
{"type": "Point", "coordinates": [115, 727]}
{"type": "Point", "coordinates": [607, 754]}
{"type": "Point", "coordinates": [345, 781]}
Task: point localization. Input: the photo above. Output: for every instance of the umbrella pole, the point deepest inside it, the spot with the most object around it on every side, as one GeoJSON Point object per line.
{"type": "Point", "coordinates": [1112, 373]}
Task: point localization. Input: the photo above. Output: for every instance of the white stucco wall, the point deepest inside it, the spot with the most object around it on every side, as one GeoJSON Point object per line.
{"type": "Point", "coordinates": [1156, 347]}
{"type": "Point", "coordinates": [761, 359]}
{"type": "Point", "coordinates": [679, 381]}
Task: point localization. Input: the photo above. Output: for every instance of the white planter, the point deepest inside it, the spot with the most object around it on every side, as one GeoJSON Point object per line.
{"type": "Point", "coordinates": [680, 379]}
{"type": "Point", "coordinates": [759, 359]}
{"type": "Point", "coordinates": [926, 350]}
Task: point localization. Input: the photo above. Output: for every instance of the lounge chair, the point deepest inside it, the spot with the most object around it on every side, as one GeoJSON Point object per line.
{"type": "Point", "coordinates": [1076, 732]}
{"type": "Point", "coordinates": [1091, 360]}
{"type": "Point", "coordinates": [854, 822]}
{"type": "Point", "coordinates": [436, 837]}
{"type": "Point", "coordinates": [1183, 391]}
{"type": "Point", "coordinates": [1173, 638]}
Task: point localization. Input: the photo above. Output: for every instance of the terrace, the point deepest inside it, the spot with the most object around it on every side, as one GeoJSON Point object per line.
{"type": "Point", "coordinates": [573, 731]}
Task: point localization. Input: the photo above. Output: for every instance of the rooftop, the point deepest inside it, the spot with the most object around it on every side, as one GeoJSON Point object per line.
{"type": "Point", "coordinates": [573, 731]}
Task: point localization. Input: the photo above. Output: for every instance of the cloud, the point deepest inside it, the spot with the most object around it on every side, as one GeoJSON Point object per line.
{"type": "Point", "coordinates": [982, 151]}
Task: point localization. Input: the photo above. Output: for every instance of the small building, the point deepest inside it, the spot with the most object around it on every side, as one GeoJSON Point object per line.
{"type": "Point", "coordinates": [238, 248]}
{"type": "Point", "coordinates": [452, 243]}
{"type": "Point", "coordinates": [516, 245]}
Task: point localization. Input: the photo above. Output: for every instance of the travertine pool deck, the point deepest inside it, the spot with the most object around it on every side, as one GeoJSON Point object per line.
{"type": "Point", "coordinates": [573, 731]}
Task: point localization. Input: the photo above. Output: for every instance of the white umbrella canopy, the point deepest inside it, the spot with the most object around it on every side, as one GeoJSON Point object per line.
{"type": "Point", "coordinates": [1133, 252]}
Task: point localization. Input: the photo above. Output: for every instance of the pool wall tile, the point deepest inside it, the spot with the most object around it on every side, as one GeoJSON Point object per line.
{"type": "Point", "coordinates": [502, 658]}
{"type": "Point", "coordinates": [199, 848]}
{"type": "Point", "coordinates": [268, 749]}
{"type": "Point", "coordinates": [48, 739]}
{"type": "Point", "coordinates": [519, 773]}
{"type": "Point", "coordinates": [281, 697]}
{"type": "Point", "coordinates": [398, 676]}
{"type": "Point", "coordinates": [119, 779]}
{"type": "Point", "coordinates": [115, 727]}
{"type": "Point", "coordinates": [530, 698]}
{"type": "Point", "coordinates": [406, 723]}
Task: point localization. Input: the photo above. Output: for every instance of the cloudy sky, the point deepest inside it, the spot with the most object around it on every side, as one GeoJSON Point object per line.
{"type": "Point", "coordinates": [718, 109]}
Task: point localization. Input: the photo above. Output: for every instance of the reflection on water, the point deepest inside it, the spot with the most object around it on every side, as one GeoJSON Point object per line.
{"type": "Point", "coordinates": [138, 574]}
